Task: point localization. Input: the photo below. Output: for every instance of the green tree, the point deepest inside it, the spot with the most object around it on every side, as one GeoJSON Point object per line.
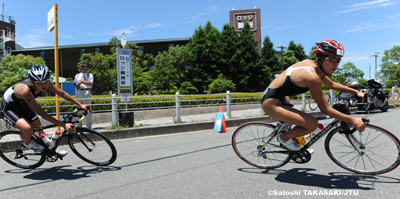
{"type": "Point", "coordinates": [230, 59]}
{"type": "Point", "coordinates": [104, 76]}
{"type": "Point", "coordinates": [298, 50]}
{"type": "Point", "coordinates": [14, 68]}
{"type": "Point", "coordinates": [221, 85]}
{"type": "Point", "coordinates": [289, 59]}
{"type": "Point", "coordinates": [311, 54]}
{"type": "Point", "coordinates": [250, 70]}
{"type": "Point", "coordinates": [270, 61]}
{"type": "Point", "coordinates": [347, 73]}
{"type": "Point", "coordinates": [390, 65]}
{"type": "Point", "coordinates": [205, 48]}
{"type": "Point", "coordinates": [169, 71]}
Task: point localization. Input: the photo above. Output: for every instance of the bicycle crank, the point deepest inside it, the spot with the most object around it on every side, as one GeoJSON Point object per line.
{"type": "Point", "coordinates": [302, 156]}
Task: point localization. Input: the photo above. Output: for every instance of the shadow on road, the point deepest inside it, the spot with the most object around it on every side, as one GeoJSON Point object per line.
{"type": "Point", "coordinates": [62, 172]}
{"type": "Point", "coordinates": [335, 180]}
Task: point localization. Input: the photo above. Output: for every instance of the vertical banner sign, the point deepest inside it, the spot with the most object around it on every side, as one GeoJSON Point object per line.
{"type": "Point", "coordinates": [218, 122]}
{"type": "Point", "coordinates": [124, 64]}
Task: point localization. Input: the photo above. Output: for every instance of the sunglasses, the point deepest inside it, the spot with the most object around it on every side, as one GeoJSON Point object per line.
{"type": "Point", "coordinates": [42, 82]}
{"type": "Point", "coordinates": [333, 59]}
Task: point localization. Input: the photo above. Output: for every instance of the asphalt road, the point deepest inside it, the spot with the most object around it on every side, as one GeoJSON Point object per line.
{"type": "Point", "coordinates": [198, 164]}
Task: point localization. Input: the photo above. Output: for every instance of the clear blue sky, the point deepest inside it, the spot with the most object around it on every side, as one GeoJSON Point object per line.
{"type": "Point", "coordinates": [363, 26]}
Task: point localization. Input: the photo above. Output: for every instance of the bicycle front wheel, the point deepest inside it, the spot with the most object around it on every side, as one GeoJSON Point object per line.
{"type": "Point", "coordinates": [256, 144]}
{"type": "Point", "coordinates": [13, 152]}
{"type": "Point", "coordinates": [377, 152]}
{"type": "Point", "coordinates": [312, 104]}
{"type": "Point", "coordinates": [92, 147]}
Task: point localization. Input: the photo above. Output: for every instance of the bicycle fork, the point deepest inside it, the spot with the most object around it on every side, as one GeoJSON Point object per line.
{"type": "Point", "coordinates": [355, 142]}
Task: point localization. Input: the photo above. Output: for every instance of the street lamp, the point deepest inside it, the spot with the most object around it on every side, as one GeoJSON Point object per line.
{"type": "Point", "coordinates": [281, 47]}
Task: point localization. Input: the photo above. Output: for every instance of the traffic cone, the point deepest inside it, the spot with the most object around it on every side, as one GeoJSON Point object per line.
{"type": "Point", "coordinates": [221, 109]}
{"type": "Point", "coordinates": [398, 95]}
{"type": "Point", "coordinates": [223, 126]}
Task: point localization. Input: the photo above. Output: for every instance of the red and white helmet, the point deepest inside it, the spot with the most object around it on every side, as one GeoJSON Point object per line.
{"type": "Point", "coordinates": [329, 47]}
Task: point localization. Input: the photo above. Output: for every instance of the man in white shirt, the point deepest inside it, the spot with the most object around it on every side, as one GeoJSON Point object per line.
{"type": "Point", "coordinates": [83, 83]}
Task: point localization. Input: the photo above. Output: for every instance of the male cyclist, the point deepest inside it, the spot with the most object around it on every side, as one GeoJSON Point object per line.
{"type": "Point", "coordinates": [18, 106]}
{"type": "Point", "coordinates": [300, 78]}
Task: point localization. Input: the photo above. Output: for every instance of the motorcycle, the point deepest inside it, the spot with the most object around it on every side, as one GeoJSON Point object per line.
{"type": "Point", "coordinates": [376, 97]}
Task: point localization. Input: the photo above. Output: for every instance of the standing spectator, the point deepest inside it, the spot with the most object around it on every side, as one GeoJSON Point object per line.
{"type": "Point", "coordinates": [83, 83]}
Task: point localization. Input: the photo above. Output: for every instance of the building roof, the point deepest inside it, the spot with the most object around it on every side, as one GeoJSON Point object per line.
{"type": "Point", "coordinates": [100, 44]}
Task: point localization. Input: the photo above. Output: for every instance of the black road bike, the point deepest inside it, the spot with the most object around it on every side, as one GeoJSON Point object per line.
{"type": "Point", "coordinates": [88, 145]}
{"type": "Point", "coordinates": [374, 151]}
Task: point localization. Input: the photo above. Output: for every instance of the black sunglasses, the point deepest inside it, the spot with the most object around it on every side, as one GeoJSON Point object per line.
{"type": "Point", "coordinates": [42, 82]}
{"type": "Point", "coordinates": [333, 59]}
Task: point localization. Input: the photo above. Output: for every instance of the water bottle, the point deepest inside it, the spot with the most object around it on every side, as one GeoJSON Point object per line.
{"type": "Point", "coordinates": [55, 137]}
{"type": "Point", "coordinates": [46, 140]}
{"type": "Point", "coordinates": [311, 135]}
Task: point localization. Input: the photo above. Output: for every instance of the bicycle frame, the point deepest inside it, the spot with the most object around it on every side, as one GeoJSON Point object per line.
{"type": "Point", "coordinates": [59, 140]}
{"type": "Point", "coordinates": [324, 131]}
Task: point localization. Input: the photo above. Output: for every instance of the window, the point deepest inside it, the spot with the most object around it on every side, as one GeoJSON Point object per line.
{"type": "Point", "coordinates": [141, 48]}
{"type": "Point", "coordinates": [42, 54]}
{"type": "Point", "coordinates": [82, 52]}
{"type": "Point", "coordinates": [96, 51]}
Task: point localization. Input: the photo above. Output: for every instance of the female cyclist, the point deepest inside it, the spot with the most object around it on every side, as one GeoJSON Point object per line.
{"type": "Point", "coordinates": [18, 106]}
{"type": "Point", "coordinates": [300, 78]}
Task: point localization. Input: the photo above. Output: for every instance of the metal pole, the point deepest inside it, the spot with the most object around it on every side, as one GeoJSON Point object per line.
{"type": "Point", "coordinates": [393, 94]}
{"type": "Point", "coordinates": [228, 103]}
{"type": "Point", "coordinates": [281, 59]}
{"type": "Point", "coordinates": [114, 109]}
{"type": "Point", "coordinates": [178, 106]}
{"type": "Point", "coordinates": [56, 60]}
{"type": "Point", "coordinates": [303, 101]}
{"type": "Point", "coordinates": [332, 97]}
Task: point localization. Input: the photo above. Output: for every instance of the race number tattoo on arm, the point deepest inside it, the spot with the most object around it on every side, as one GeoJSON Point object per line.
{"type": "Point", "coordinates": [28, 100]}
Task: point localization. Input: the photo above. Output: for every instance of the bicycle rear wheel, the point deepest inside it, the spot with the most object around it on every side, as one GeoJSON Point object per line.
{"type": "Point", "coordinates": [13, 152]}
{"type": "Point", "coordinates": [312, 104]}
{"type": "Point", "coordinates": [378, 153]}
{"type": "Point", "coordinates": [250, 143]}
{"type": "Point", "coordinates": [92, 147]}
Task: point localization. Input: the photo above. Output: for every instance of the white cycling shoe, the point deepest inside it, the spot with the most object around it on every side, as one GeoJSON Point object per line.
{"type": "Point", "coordinates": [291, 144]}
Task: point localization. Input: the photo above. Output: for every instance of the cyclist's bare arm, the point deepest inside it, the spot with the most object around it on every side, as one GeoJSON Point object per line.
{"type": "Point", "coordinates": [339, 87]}
{"type": "Point", "coordinates": [315, 87]}
{"type": "Point", "coordinates": [65, 95]}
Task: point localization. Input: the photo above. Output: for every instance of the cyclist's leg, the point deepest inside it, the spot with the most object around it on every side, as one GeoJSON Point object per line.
{"type": "Point", "coordinates": [304, 122]}
{"type": "Point", "coordinates": [25, 121]}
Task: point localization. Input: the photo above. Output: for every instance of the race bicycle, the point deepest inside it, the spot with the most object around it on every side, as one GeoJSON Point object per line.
{"type": "Point", "coordinates": [374, 151]}
{"type": "Point", "coordinates": [314, 106]}
{"type": "Point", "coordinates": [87, 144]}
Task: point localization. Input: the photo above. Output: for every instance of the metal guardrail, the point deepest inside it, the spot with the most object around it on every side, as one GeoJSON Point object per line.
{"type": "Point", "coordinates": [178, 103]}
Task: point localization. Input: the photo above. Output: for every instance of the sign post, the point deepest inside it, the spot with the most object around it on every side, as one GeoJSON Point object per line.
{"type": "Point", "coordinates": [123, 40]}
{"type": "Point", "coordinates": [52, 23]}
{"type": "Point", "coordinates": [124, 65]}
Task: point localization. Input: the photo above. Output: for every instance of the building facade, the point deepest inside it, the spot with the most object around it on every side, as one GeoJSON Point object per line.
{"type": "Point", "coordinates": [237, 18]}
{"type": "Point", "coordinates": [69, 55]}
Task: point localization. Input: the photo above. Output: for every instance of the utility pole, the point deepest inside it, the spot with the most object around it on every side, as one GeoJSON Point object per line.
{"type": "Point", "coordinates": [376, 57]}
{"type": "Point", "coordinates": [370, 71]}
